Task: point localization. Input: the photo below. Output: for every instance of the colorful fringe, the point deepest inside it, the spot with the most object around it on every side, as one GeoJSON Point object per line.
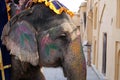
{"type": "Point", "coordinates": [56, 6]}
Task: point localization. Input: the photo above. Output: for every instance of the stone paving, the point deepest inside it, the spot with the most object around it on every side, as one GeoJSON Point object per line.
{"type": "Point", "coordinates": [57, 74]}
{"type": "Point", "coordinates": [53, 74]}
{"type": "Point", "coordinates": [91, 75]}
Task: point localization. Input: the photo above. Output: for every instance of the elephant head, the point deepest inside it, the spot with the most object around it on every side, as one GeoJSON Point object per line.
{"type": "Point", "coordinates": [39, 37]}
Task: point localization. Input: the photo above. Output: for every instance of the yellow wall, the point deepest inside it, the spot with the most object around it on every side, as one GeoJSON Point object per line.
{"type": "Point", "coordinates": [106, 23]}
{"type": "Point", "coordinates": [82, 9]}
{"type": "Point", "coordinates": [76, 19]}
{"type": "Point", "coordinates": [89, 26]}
{"type": "Point", "coordinates": [105, 18]}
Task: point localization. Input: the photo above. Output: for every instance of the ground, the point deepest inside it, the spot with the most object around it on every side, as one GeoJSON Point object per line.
{"type": "Point", "coordinates": [57, 74]}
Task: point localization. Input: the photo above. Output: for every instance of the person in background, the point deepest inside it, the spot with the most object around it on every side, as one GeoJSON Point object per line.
{"type": "Point", "coordinates": [12, 8]}
{"type": "Point", "coordinates": [15, 7]}
{"type": "Point", "coordinates": [5, 53]}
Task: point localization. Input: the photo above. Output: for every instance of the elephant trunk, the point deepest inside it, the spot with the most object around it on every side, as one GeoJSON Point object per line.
{"type": "Point", "coordinates": [74, 60]}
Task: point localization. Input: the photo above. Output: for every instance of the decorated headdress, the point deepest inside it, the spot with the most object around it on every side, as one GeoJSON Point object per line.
{"type": "Point", "coordinates": [56, 6]}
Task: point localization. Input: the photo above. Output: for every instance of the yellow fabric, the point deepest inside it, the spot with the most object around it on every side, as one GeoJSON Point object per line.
{"type": "Point", "coordinates": [8, 9]}
{"type": "Point", "coordinates": [52, 7]}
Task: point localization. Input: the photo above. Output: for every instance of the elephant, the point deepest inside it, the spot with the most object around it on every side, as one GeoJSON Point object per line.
{"type": "Point", "coordinates": [38, 37]}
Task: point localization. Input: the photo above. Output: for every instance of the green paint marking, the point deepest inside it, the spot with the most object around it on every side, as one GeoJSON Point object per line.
{"type": "Point", "coordinates": [23, 37]}
{"type": "Point", "coordinates": [49, 47]}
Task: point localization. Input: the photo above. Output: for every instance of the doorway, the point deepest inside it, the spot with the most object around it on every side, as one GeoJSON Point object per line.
{"type": "Point", "coordinates": [104, 53]}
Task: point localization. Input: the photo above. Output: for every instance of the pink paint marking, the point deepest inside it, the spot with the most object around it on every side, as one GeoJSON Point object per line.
{"type": "Point", "coordinates": [45, 40]}
{"type": "Point", "coordinates": [22, 29]}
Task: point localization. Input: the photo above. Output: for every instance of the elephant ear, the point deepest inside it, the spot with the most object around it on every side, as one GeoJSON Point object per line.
{"type": "Point", "coordinates": [20, 39]}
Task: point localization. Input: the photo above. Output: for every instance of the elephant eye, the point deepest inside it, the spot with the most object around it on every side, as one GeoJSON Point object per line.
{"type": "Point", "coordinates": [64, 37]}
